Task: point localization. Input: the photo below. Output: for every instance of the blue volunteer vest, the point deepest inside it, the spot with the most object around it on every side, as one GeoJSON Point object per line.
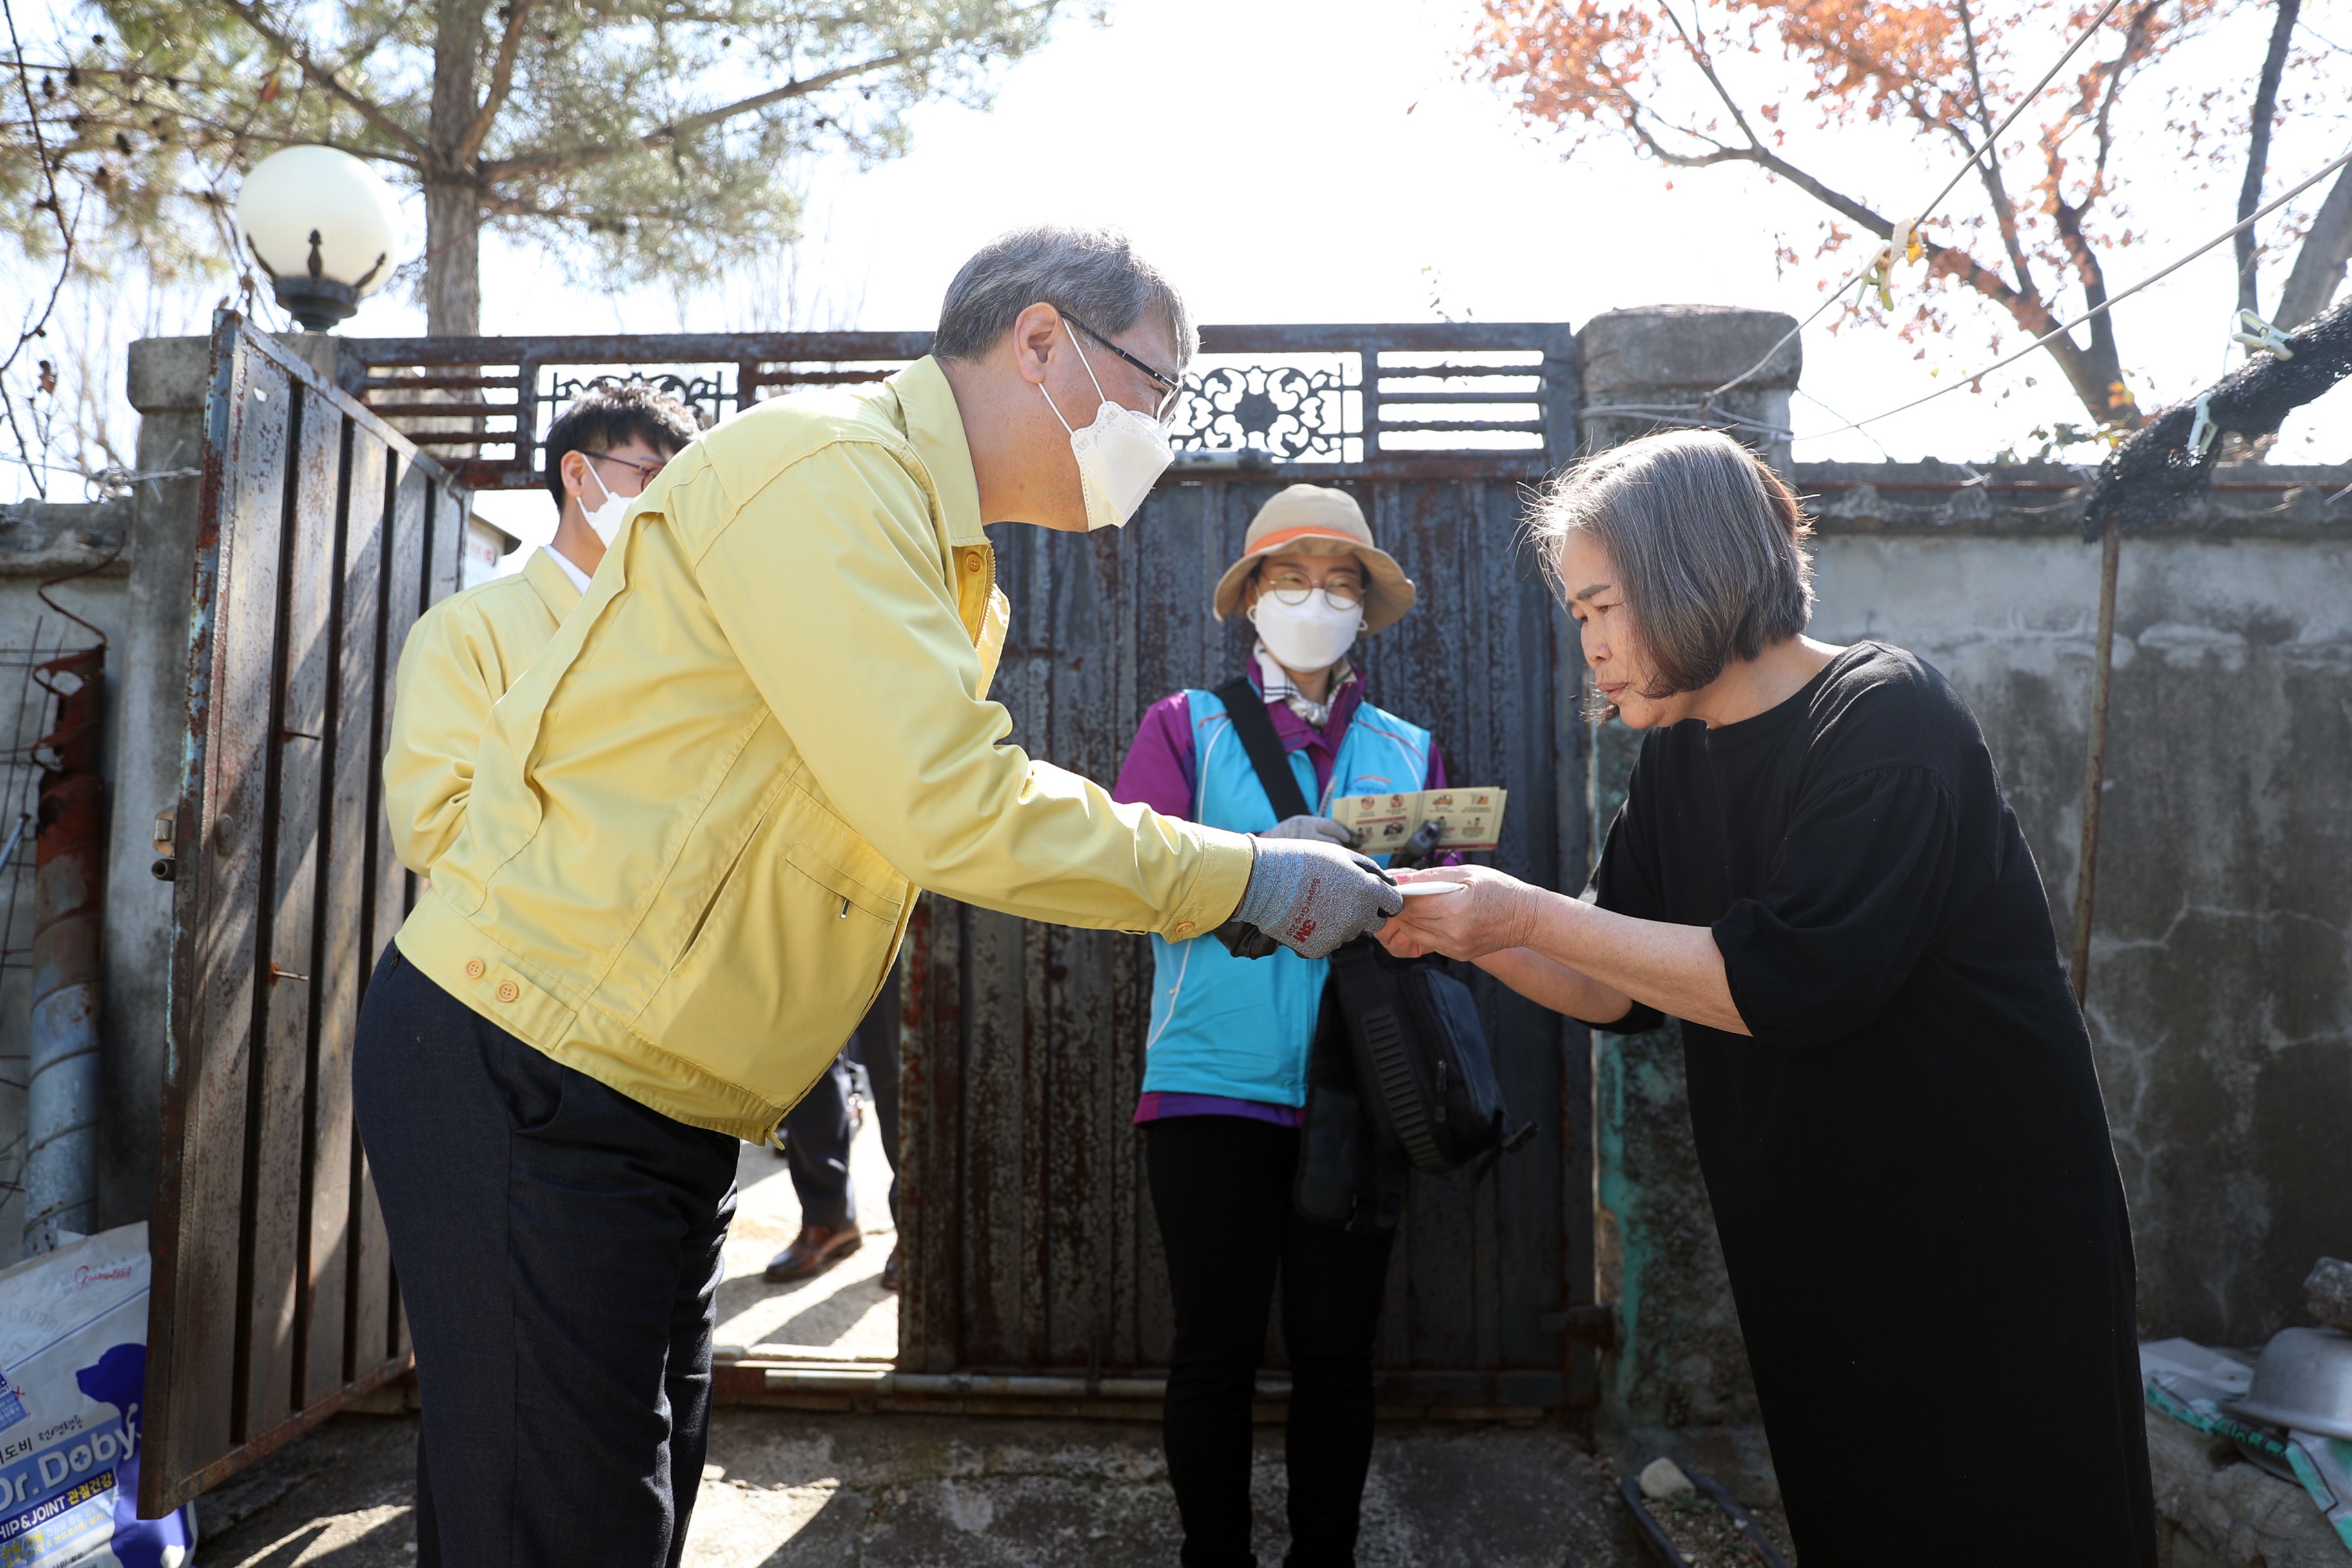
{"type": "Point", "coordinates": [1240, 1028]}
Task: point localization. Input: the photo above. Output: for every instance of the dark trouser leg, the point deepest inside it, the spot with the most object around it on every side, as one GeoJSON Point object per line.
{"type": "Point", "coordinates": [876, 1044]}
{"type": "Point", "coordinates": [1331, 1287]}
{"type": "Point", "coordinates": [818, 1131]}
{"type": "Point", "coordinates": [693, 1314]}
{"type": "Point", "coordinates": [554, 1238]}
{"type": "Point", "coordinates": [1220, 1185]}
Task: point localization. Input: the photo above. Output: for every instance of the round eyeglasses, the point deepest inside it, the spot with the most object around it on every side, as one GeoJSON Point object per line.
{"type": "Point", "coordinates": [1291, 586]}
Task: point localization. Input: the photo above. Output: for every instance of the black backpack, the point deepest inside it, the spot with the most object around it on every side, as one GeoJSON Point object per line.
{"type": "Point", "coordinates": [1399, 1046]}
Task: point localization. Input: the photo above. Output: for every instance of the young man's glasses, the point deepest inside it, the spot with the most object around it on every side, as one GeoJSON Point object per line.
{"type": "Point", "coordinates": [1292, 586]}
{"type": "Point", "coordinates": [1170, 391]}
{"type": "Point", "coordinates": [645, 471]}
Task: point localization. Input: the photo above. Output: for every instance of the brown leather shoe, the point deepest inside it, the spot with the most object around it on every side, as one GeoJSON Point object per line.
{"type": "Point", "coordinates": [816, 1249]}
{"type": "Point", "coordinates": [891, 1271]}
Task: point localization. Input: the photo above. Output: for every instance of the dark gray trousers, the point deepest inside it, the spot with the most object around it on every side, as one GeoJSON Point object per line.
{"type": "Point", "coordinates": [557, 1245]}
{"type": "Point", "coordinates": [817, 1131]}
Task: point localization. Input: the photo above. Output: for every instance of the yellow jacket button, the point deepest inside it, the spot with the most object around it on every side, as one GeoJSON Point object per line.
{"type": "Point", "coordinates": [1183, 928]}
{"type": "Point", "coordinates": [508, 991]}
{"type": "Point", "coordinates": [972, 562]}
{"type": "Point", "coordinates": [473, 969]}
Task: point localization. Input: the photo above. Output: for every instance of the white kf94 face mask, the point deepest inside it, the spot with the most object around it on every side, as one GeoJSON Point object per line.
{"type": "Point", "coordinates": [1121, 454]}
{"type": "Point", "coordinates": [1306, 638]}
{"type": "Point", "coordinates": [605, 519]}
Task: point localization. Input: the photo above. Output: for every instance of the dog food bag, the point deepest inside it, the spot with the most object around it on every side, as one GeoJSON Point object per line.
{"type": "Point", "coordinates": [73, 1385]}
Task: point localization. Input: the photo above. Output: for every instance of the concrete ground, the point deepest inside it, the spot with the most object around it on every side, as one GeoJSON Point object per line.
{"type": "Point", "coordinates": [791, 1490]}
{"type": "Point", "coordinates": [842, 1314]}
{"type": "Point", "coordinates": [784, 1487]}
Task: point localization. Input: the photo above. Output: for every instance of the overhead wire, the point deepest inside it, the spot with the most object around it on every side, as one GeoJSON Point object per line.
{"type": "Point", "coordinates": [1912, 228]}
{"type": "Point", "coordinates": [2110, 302]}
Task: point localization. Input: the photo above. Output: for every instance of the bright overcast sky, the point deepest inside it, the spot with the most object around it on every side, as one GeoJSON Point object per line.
{"type": "Point", "coordinates": [1325, 161]}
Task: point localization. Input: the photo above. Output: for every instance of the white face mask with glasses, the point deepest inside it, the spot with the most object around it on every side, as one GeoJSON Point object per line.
{"type": "Point", "coordinates": [1307, 628]}
{"type": "Point", "coordinates": [606, 518]}
{"type": "Point", "coordinates": [1121, 454]}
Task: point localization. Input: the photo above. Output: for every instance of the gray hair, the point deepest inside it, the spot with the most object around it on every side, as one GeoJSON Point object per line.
{"type": "Point", "coordinates": [1707, 542]}
{"type": "Point", "coordinates": [1092, 273]}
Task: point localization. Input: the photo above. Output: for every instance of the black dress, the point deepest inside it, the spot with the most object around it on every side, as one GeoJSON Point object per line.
{"type": "Point", "coordinates": [1908, 1161]}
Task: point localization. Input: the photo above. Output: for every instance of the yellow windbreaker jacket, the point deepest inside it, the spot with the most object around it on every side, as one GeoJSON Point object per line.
{"type": "Point", "coordinates": [459, 659]}
{"type": "Point", "coordinates": [686, 858]}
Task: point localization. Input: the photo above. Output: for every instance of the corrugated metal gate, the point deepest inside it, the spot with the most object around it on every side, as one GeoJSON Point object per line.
{"type": "Point", "coordinates": [1029, 1243]}
{"type": "Point", "coordinates": [323, 533]}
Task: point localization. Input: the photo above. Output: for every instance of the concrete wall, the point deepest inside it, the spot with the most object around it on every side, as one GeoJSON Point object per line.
{"type": "Point", "coordinates": [2218, 1006]}
{"type": "Point", "coordinates": [2220, 996]}
{"type": "Point", "coordinates": [40, 543]}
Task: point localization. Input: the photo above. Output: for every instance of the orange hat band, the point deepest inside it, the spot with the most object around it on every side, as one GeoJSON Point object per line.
{"type": "Point", "coordinates": [1311, 530]}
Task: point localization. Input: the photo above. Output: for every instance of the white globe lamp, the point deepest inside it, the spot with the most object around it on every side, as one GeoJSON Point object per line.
{"type": "Point", "coordinates": [324, 225]}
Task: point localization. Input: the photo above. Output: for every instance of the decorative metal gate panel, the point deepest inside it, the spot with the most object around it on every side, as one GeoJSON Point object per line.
{"type": "Point", "coordinates": [323, 533]}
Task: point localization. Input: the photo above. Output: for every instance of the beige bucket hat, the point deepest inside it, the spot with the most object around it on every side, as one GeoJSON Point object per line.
{"type": "Point", "coordinates": [1315, 511]}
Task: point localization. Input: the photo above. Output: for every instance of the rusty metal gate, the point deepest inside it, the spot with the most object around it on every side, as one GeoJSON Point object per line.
{"type": "Point", "coordinates": [322, 535]}
{"type": "Point", "coordinates": [1029, 1243]}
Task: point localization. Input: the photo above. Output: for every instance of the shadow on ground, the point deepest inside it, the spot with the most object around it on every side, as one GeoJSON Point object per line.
{"type": "Point", "coordinates": [786, 1491]}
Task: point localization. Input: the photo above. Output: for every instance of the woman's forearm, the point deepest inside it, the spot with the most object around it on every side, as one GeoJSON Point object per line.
{"type": "Point", "coordinates": [1676, 969]}
{"type": "Point", "coordinates": [1547, 983]}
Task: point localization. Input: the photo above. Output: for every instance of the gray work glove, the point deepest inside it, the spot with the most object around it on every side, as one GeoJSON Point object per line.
{"type": "Point", "coordinates": [1310, 827]}
{"type": "Point", "coordinates": [1309, 896]}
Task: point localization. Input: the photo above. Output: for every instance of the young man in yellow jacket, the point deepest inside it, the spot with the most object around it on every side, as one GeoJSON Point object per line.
{"type": "Point", "coordinates": [464, 652]}
{"type": "Point", "coordinates": [690, 843]}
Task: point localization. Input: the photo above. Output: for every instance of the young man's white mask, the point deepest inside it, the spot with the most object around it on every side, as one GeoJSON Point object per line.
{"type": "Point", "coordinates": [1306, 638]}
{"type": "Point", "coordinates": [1121, 454]}
{"type": "Point", "coordinates": [606, 518]}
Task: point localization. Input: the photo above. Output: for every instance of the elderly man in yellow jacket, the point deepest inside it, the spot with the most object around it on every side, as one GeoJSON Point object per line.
{"type": "Point", "coordinates": [694, 830]}
{"type": "Point", "coordinates": [464, 652]}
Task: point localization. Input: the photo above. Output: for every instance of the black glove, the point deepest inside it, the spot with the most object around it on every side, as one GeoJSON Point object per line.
{"type": "Point", "coordinates": [1420, 849]}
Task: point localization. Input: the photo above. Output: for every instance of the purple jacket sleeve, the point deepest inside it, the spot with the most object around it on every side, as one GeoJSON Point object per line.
{"type": "Point", "coordinates": [1159, 768]}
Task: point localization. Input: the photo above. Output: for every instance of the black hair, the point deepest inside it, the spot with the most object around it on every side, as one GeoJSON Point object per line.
{"type": "Point", "coordinates": [614, 413]}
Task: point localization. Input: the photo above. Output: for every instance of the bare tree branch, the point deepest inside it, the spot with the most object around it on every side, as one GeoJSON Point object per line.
{"type": "Point", "coordinates": [2319, 264]}
{"type": "Point", "coordinates": [2258, 151]}
{"type": "Point", "coordinates": [502, 84]}
{"type": "Point", "coordinates": [1989, 166]}
{"type": "Point", "coordinates": [563, 159]}
{"type": "Point", "coordinates": [329, 77]}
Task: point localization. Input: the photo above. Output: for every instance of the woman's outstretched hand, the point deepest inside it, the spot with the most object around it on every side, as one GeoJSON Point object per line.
{"type": "Point", "coordinates": [1490, 915]}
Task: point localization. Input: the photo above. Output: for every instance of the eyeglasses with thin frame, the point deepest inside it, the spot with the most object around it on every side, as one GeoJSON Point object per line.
{"type": "Point", "coordinates": [1166, 407]}
{"type": "Point", "coordinates": [1290, 585]}
{"type": "Point", "coordinates": [646, 471]}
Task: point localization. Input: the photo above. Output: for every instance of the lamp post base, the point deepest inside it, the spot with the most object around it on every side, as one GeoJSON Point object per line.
{"type": "Point", "coordinates": [318, 304]}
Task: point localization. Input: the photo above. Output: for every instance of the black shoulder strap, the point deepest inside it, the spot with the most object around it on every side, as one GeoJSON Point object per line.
{"type": "Point", "coordinates": [1246, 708]}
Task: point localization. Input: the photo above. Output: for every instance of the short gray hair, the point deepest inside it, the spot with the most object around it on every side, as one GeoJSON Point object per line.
{"type": "Point", "coordinates": [1093, 274]}
{"type": "Point", "coordinates": [1707, 542]}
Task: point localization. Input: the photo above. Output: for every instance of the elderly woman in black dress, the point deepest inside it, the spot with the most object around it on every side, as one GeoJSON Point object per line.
{"type": "Point", "coordinates": [1891, 1089]}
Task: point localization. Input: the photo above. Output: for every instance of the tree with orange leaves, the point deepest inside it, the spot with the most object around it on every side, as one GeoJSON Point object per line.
{"type": "Point", "coordinates": [2050, 192]}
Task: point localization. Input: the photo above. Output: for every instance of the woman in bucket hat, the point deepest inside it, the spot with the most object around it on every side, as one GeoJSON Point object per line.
{"type": "Point", "coordinates": [1225, 1061]}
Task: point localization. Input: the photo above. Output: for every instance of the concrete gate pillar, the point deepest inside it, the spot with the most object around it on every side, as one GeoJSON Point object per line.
{"type": "Point", "coordinates": [1678, 1381]}
{"type": "Point", "coordinates": [1660, 364]}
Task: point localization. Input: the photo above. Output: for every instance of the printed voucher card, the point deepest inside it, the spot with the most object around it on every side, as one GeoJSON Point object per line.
{"type": "Point", "coordinates": [1467, 818]}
